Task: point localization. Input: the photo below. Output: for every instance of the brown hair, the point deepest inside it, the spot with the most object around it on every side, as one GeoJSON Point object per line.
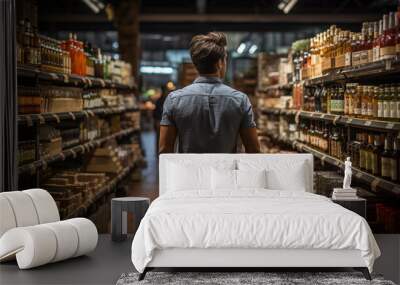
{"type": "Point", "coordinates": [206, 50]}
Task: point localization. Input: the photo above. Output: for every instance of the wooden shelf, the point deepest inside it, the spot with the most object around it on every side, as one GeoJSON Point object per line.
{"type": "Point", "coordinates": [277, 87]}
{"type": "Point", "coordinates": [109, 188]}
{"type": "Point", "coordinates": [371, 70]}
{"type": "Point", "coordinates": [31, 119]}
{"type": "Point", "coordinates": [70, 79]}
{"type": "Point", "coordinates": [72, 152]}
{"type": "Point", "coordinates": [338, 119]}
{"type": "Point", "coordinates": [377, 184]}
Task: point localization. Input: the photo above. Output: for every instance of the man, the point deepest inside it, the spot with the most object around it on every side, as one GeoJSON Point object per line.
{"type": "Point", "coordinates": [207, 116]}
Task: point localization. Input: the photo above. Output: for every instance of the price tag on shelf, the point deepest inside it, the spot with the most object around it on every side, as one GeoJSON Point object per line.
{"type": "Point", "coordinates": [55, 116]}
{"type": "Point", "coordinates": [374, 184]}
{"type": "Point", "coordinates": [390, 126]}
{"type": "Point", "coordinates": [53, 76]}
{"type": "Point", "coordinates": [102, 83]}
{"type": "Point", "coordinates": [388, 64]}
{"type": "Point", "coordinates": [73, 153]}
{"type": "Point", "coordinates": [323, 116]}
{"type": "Point", "coordinates": [368, 123]}
{"type": "Point", "coordinates": [41, 119]}
{"type": "Point", "coordinates": [91, 113]}
{"type": "Point", "coordinates": [349, 120]}
{"type": "Point", "coordinates": [72, 115]}
{"type": "Point", "coordinates": [336, 118]}
{"type": "Point", "coordinates": [66, 78]}
{"type": "Point", "coordinates": [82, 148]}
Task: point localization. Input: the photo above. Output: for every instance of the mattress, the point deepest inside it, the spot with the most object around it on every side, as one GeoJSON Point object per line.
{"type": "Point", "coordinates": [251, 219]}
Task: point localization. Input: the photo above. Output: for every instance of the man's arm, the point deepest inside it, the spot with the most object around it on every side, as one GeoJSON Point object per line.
{"type": "Point", "coordinates": [250, 140]}
{"type": "Point", "coordinates": [167, 139]}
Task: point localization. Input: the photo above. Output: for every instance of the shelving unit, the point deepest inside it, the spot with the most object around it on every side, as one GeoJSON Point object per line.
{"type": "Point", "coordinates": [70, 79]}
{"type": "Point", "coordinates": [35, 169]}
{"type": "Point", "coordinates": [30, 119]}
{"type": "Point", "coordinates": [337, 119]}
{"type": "Point", "coordinates": [107, 189]}
{"type": "Point", "coordinates": [72, 152]}
{"type": "Point", "coordinates": [377, 184]}
{"type": "Point", "coordinates": [376, 69]}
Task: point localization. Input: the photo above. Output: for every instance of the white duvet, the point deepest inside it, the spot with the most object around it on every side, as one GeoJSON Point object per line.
{"type": "Point", "coordinates": [250, 219]}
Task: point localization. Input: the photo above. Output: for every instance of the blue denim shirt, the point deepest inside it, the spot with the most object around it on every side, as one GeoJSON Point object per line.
{"type": "Point", "coordinates": [207, 115]}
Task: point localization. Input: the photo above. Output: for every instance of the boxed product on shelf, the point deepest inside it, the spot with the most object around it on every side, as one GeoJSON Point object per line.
{"type": "Point", "coordinates": [92, 99]}
{"type": "Point", "coordinates": [50, 141]}
{"type": "Point", "coordinates": [30, 100]}
{"type": "Point", "coordinates": [109, 97]}
{"type": "Point", "coordinates": [104, 159]}
{"type": "Point", "coordinates": [26, 152]}
{"type": "Point", "coordinates": [61, 99]}
{"type": "Point", "coordinates": [89, 129]}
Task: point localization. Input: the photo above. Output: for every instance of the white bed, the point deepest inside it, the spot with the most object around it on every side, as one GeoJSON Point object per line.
{"type": "Point", "coordinates": [249, 227]}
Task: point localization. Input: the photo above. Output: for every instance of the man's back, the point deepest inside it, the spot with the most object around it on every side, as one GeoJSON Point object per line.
{"type": "Point", "coordinates": [207, 116]}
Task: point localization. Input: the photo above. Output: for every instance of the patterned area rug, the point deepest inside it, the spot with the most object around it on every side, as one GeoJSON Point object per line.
{"type": "Point", "coordinates": [242, 278]}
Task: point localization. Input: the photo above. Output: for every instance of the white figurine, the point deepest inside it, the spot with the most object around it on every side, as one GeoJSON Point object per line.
{"type": "Point", "coordinates": [347, 174]}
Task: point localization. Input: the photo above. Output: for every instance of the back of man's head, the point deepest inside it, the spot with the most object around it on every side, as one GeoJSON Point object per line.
{"type": "Point", "coordinates": [207, 50]}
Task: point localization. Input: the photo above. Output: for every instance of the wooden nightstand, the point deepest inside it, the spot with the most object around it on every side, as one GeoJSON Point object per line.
{"type": "Point", "coordinates": [358, 206]}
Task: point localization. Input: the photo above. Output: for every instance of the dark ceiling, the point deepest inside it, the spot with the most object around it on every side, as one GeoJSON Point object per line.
{"type": "Point", "coordinates": [202, 15]}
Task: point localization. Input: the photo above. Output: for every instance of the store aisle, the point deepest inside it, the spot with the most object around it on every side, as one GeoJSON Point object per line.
{"type": "Point", "coordinates": [147, 186]}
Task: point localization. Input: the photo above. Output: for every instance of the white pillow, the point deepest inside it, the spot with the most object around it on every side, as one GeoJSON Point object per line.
{"type": "Point", "coordinates": [184, 174]}
{"type": "Point", "coordinates": [281, 174]}
{"type": "Point", "coordinates": [183, 178]}
{"type": "Point", "coordinates": [223, 179]}
{"type": "Point", "coordinates": [251, 179]}
{"type": "Point", "coordinates": [226, 179]}
{"type": "Point", "coordinates": [291, 180]}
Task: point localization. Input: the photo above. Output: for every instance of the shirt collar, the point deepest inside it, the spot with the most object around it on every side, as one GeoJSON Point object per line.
{"type": "Point", "coordinates": [207, 79]}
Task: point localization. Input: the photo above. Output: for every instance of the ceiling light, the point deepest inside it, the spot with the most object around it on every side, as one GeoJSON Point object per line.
{"type": "Point", "coordinates": [241, 48]}
{"type": "Point", "coordinates": [95, 5]}
{"type": "Point", "coordinates": [253, 49]}
{"type": "Point", "coordinates": [287, 5]}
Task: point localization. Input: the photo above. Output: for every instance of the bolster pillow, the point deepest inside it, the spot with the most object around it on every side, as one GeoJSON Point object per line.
{"type": "Point", "coordinates": [40, 244]}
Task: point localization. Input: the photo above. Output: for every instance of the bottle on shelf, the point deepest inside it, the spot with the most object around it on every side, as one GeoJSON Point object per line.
{"type": "Point", "coordinates": [357, 101]}
{"type": "Point", "coordinates": [386, 160]}
{"type": "Point", "coordinates": [375, 156]}
{"type": "Point", "coordinates": [381, 102]}
{"type": "Point", "coordinates": [369, 153]}
{"type": "Point", "coordinates": [386, 102]}
{"type": "Point", "coordinates": [388, 39]}
{"type": "Point", "coordinates": [363, 151]}
{"type": "Point", "coordinates": [375, 100]}
{"type": "Point", "coordinates": [392, 103]}
{"type": "Point", "coordinates": [394, 161]}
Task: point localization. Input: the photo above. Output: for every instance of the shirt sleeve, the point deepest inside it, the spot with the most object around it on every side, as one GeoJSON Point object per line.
{"type": "Point", "coordinates": [248, 115]}
{"type": "Point", "coordinates": [166, 119]}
